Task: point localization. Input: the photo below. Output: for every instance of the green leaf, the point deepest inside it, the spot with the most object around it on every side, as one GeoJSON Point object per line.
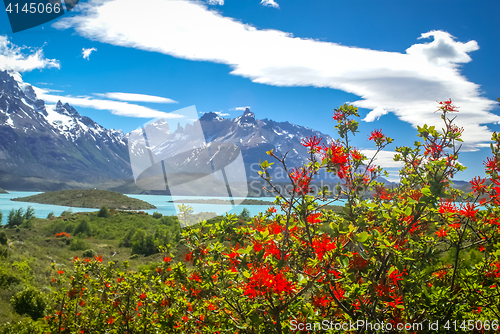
{"type": "Point", "coordinates": [408, 211]}
{"type": "Point", "coordinates": [363, 236]}
{"type": "Point", "coordinates": [426, 191]}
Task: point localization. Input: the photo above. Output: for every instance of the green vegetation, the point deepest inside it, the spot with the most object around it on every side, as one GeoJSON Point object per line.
{"type": "Point", "coordinates": [31, 258]}
{"type": "Point", "coordinates": [88, 199]}
{"type": "Point", "coordinates": [18, 217]}
{"type": "Point", "coordinates": [25, 269]}
{"type": "Point", "coordinates": [29, 302]}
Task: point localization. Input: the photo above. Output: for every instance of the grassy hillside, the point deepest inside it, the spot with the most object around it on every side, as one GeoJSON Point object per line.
{"type": "Point", "coordinates": [41, 249]}
{"type": "Point", "coordinates": [93, 198]}
{"type": "Point", "coordinates": [28, 254]}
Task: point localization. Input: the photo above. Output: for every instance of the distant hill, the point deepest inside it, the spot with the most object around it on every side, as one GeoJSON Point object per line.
{"type": "Point", "coordinates": [2, 191]}
{"type": "Point", "coordinates": [92, 198]}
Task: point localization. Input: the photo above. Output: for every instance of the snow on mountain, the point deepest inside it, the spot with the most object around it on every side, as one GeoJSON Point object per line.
{"type": "Point", "coordinates": [54, 141]}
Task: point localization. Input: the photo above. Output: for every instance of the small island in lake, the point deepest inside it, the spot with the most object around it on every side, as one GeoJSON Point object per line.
{"type": "Point", "coordinates": [90, 198]}
{"type": "Point", "coordinates": [3, 191]}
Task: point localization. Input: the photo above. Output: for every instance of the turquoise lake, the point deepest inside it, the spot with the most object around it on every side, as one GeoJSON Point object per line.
{"type": "Point", "coordinates": [162, 204]}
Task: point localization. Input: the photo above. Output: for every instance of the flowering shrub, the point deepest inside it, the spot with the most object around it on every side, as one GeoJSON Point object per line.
{"type": "Point", "coordinates": [411, 255]}
{"type": "Point", "coordinates": [62, 235]}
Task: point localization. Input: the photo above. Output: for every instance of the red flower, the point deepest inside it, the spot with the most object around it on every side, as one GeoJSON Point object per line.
{"type": "Point", "coordinates": [62, 234]}
{"type": "Point", "coordinates": [142, 296]}
{"type": "Point", "coordinates": [336, 158]}
{"type": "Point", "coordinates": [314, 218]}
{"type": "Point", "coordinates": [60, 272]}
{"type": "Point", "coordinates": [338, 292]}
{"type": "Point", "coordinates": [447, 207]}
{"type": "Point", "coordinates": [323, 246]}
{"type": "Point", "coordinates": [321, 301]}
{"type": "Point", "coordinates": [469, 211]}
{"type": "Point", "coordinates": [382, 193]}
{"type": "Point", "coordinates": [195, 277]}
{"type": "Point", "coordinates": [396, 276]}
{"type": "Point", "coordinates": [376, 135]}
{"type": "Point", "coordinates": [188, 257]}
{"type": "Point", "coordinates": [98, 258]}
{"type": "Point", "coordinates": [398, 300]}
{"type": "Point", "coordinates": [275, 228]}
{"type": "Point", "coordinates": [440, 274]}
{"type": "Point", "coordinates": [338, 115]}
{"type": "Point", "coordinates": [434, 150]}
{"type": "Point", "coordinates": [110, 320]}
{"type": "Point", "coordinates": [481, 248]}
{"type": "Point", "coordinates": [312, 143]}
{"type": "Point", "coordinates": [273, 250]}
{"type": "Point", "coordinates": [442, 233]}
{"type": "Point", "coordinates": [234, 255]}
{"type": "Point", "coordinates": [301, 180]}
{"type": "Point", "coordinates": [478, 185]}
{"type": "Point", "coordinates": [257, 246]}
{"type": "Point", "coordinates": [356, 155]}
{"type": "Point", "coordinates": [492, 165]}
{"type": "Point", "coordinates": [447, 106]}
{"type": "Point", "coordinates": [263, 281]}
{"type": "Point", "coordinates": [167, 259]}
{"type": "Point", "coordinates": [195, 292]}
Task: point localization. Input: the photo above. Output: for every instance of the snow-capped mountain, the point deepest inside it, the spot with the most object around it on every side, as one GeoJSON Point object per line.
{"type": "Point", "coordinates": [255, 137]}
{"type": "Point", "coordinates": [55, 142]}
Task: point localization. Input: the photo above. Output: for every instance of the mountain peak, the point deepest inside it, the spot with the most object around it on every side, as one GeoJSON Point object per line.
{"type": "Point", "coordinates": [210, 116]}
{"type": "Point", "coordinates": [247, 119]}
{"type": "Point", "coordinates": [30, 92]}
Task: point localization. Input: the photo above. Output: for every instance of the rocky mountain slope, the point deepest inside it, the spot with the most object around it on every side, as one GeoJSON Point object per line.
{"type": "Point", "coordinates": [53, 147]}
{"type": "Point", "coordinates": [54, 142]}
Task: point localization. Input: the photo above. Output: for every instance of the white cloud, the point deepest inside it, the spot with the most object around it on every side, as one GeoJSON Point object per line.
{"type": "Point", "coordinates": [48, 90]}
{"type": "Point", "coordinates": [115, 107]}
{"type": "Point", "coordinates": [241, 108]}
{"type": "Point", "coordinates": [12, 58]}
{"type": "Point", "coordinates": [221, 114]}
{"type": "Point", "coordinates": [136, 97]}
{"type": "Point", "coordinates": [270, 3]}
{"type": "Point", "coordinates": [384, 159]}
{"type": "Point", "coordinates": [375, 114]}
{"type": "Point", "coordinates": [216, 2]}
{"type": "Point", "coordinates": [86, 52]}
{"type": "Point", "coordinates": [406, 84]}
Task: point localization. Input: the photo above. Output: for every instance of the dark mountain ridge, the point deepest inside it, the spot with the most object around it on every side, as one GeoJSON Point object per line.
{"type": "Point", "coordinates": [53, 147]}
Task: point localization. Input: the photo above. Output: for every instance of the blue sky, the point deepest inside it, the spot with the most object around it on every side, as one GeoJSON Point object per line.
{"type": "Point", "coordinates": [288, 60]}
